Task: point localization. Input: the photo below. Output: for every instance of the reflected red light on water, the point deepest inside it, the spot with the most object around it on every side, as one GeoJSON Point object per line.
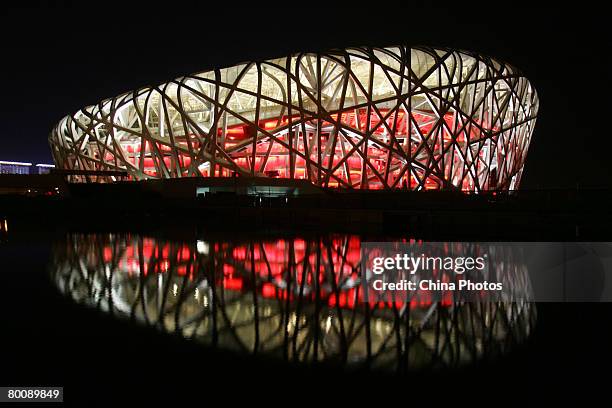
{"type": "Point", "coordinates": [322, 271]}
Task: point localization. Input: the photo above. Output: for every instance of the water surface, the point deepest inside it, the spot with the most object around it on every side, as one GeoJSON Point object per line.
{"type": "Point", "coordinates": [296, 299]}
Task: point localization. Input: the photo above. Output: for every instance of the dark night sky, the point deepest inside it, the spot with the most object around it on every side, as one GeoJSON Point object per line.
{"type": "Point", "coordinates": [58, 59]}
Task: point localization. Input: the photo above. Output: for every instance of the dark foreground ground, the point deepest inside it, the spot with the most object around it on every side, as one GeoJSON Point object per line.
{"type": "Point", "coordinates": [48, 340]}
{"type": "Point", "coordinates": [538, 215]}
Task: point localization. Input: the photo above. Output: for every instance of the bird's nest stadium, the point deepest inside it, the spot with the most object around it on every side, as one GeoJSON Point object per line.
{"type": "Point", "coordinates": [359, 118]}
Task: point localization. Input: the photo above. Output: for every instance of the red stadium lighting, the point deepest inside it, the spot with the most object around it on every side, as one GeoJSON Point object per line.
{"type": "Point", "coordinates": [368, 118]}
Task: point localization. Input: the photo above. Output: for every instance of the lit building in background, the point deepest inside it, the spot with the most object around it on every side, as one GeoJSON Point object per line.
{"type": "Point", "coordinates": [360, 118]}
{"type": "Point", "coordinates": [14, 167]}
{"type": "Point", "coordinates": [44, 168]}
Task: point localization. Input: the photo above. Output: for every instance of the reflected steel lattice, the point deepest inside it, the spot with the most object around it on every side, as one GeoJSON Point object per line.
{"type": "Point", "coordinates": [291, 298]}
{"type": "Point", "coordinates": [364, 118]}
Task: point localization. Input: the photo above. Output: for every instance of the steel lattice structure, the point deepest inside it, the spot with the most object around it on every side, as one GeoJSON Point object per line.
{"type": "Point", "coordinates": [295, 299]}
{"type": "Point", "coordinates": [363, 118]}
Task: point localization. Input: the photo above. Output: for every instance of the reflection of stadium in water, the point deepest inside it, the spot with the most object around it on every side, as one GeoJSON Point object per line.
{"type": "Point", "coordinates": [295, 299]}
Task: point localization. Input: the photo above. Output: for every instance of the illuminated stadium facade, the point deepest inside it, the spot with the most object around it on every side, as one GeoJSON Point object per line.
{"type": "Point", "coordinates": [360, 118]}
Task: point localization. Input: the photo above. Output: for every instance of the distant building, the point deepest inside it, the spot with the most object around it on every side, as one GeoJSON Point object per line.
{"type": "Point", "coordinates": [44, 168]}
{"type": "Point", "coordinates": [12, 167]}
